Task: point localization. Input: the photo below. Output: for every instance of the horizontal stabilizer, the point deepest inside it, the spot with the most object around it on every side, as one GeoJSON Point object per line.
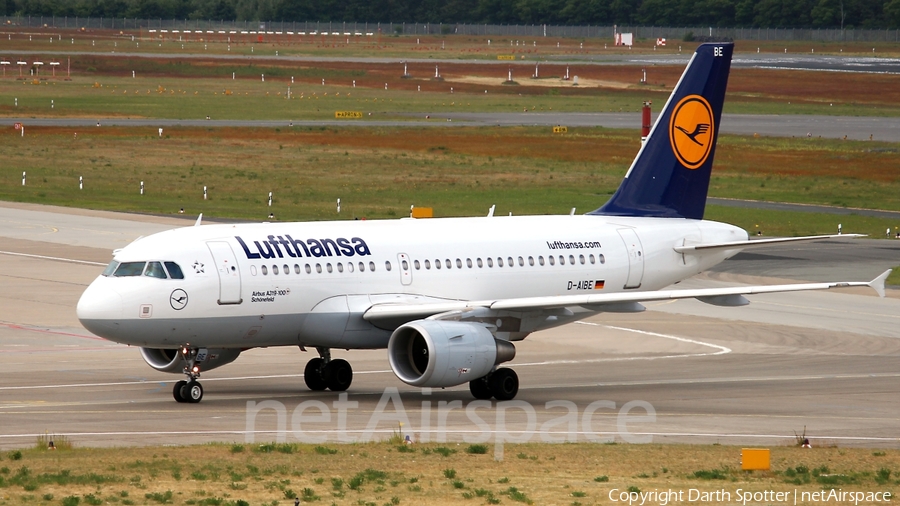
{"type": "Point", "coordinates": [759, 243]}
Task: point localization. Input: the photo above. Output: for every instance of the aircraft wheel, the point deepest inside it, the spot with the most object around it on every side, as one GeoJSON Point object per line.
{"type": "Point", "coordinates": [192, 392]}
{"type": "Point", "coordinates": [504, 384]}
{"type": "Point", "coordinates": [176, 391]}
{"type": "Point", "coordinates": [313, 376]}
{"type": "Point", "coordinates": [480, 388]}
{"type": "Point", "coordinates": [338, 375]}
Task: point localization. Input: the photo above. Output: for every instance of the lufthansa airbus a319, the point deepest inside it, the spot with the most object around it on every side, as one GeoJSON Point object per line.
{"type": "Point", "coordinates": [448, 298]}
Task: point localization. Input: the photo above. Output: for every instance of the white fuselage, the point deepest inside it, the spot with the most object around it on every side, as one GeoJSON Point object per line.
{"type": "Point", "coordinates": [276, 284]}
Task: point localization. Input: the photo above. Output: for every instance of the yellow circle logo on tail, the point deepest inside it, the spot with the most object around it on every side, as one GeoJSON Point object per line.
{"type": "Point", "coordinates": [691, 130]}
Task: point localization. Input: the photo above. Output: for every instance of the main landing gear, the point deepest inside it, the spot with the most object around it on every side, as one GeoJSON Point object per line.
{"type": "Point", "coordinates": [323, 372]}
{"type": "Point", "coordinates": [502, 384]}
{"type": "Point", "coordinates": [190, 390]}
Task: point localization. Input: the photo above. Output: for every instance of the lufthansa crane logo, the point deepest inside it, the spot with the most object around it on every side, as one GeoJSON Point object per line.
{"type": "Point", "coordinates": [691, 131]}
{"type": "Point", "coordinates": [178, 300]}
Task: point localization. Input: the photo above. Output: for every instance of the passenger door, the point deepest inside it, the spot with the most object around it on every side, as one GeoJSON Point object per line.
{"type": "Point", "coordinates": [229, 272]}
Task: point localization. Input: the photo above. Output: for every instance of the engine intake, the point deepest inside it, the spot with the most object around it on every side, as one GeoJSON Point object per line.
{"type": "Point", "coordinates": [437, 353]}
{"type": "Point", "coordinates": [169, 360]}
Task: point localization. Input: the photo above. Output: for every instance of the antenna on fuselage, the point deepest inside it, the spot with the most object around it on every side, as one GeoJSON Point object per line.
{"type": "Point", "coordinates": [199, 219]}
{"type": "Point", "coordinates": [491, 211]}
{"type": "Point", "coordinates": [572, 212]}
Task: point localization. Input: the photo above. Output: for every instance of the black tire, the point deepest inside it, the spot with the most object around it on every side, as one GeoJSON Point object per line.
{"type": "Point", "coordinates": [504, 384]}
{"type": "Point", "coordinates": [480, 389]}
{"type": "Point", "coordinates": [176, 391]}
{"type": "Point", "coordinates": [192, 392]}
{"type": "Point", "coordinates": [312, 375]}
{"type": "Point", "coordinates": [338, 375]}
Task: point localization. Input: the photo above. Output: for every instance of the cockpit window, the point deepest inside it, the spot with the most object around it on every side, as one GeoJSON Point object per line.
{"type": "Point", "coordinates": [174, 270]}
{"type": "Point", "coordinates": [130, 269]}
{"type": "Point", "coordinates": [155, 270]}
{"type": "Point", "coordinates": [111, 268]}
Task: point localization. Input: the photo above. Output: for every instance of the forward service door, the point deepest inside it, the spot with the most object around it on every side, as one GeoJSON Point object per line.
{"type": "Point", "coordinates": [228, 270]}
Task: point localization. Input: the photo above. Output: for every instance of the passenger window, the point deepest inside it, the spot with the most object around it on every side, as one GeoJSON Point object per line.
{"type": "Point", "coordinates": [349, 266]}
{"type": "Point", "coordinates": [562, 260]}
{"type": "Point", "coordinates": [274, 269]}
{"type": "Point", "coordinates": [296, 268]}
{"type": "Point", "coordinates": [286, 269]}
{"type": "Point", "coordinates": [458, 263]}
{"type": "Point", "coordinates": [591, 258]}
{"type": "Point", "coordinates": [602, 258]}
{"type": "Point", "coordinates": [340, 267]}
{"type": "Point", "coordinates": [572, 260]}
{"type": "Point", "coordinates": [509, 262]}
{"type": "Point", "coordinates": [437, 264]}
{"type": "Point", "coordinates": [405, 265]}
{"type": "Point", "coordinates": [307, 268]}
{"type": "Point", "coordinates": [328, 268]}
{"type": "Point", "coordinates": [362, 267]}
{"type": "Point", "coordinates": [127, 269]}
{"type": "Point", "coordinates": [480, 263]}
{"type": "Point", "coordinates": [490, 262]}
{"type": "Point", "coordinates": [417, 264]}
{"type": "Point", "coordinates": [541, 259]}
{"type": "Point", "coordinates": [469, 262]}
{"type": "Point", "coordinates": [155, 270]}
{"type": "Point", "coordinates": [253, 270]}
{"type": "Point", "coordinates": [111, 268]}
{"type": "Point", "coordinates": [499, 261]}
{"type": "Point", "coordinates": [387, 265]}
{"type": "Point", "coordinates": [581, 259]}
{"type": "Point", "coordinates": [319, 268]}
{"type": "Point", "coordinates": [448, 264]}
{"type": "Point", "coordinates": [427, 264]}
{"type": "Point", "coordinates": [264, 270]}
{"type": "Point", "coordinates": [521, 262]}
{"type": "Point", "coordinates": [552, 260]}
{"type": "Point", "coordinates": [372, 266]}
{"type": "Point", "coordinates": [531, 261]}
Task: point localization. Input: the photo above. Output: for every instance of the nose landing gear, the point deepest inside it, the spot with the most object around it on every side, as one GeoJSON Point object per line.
{"type": "Point", "coordinates": [323, 372]}
{"type": "Point", "coordinates": [190, 390]}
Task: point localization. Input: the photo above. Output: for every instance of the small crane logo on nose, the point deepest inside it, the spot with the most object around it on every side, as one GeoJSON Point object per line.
{"type": "Point", "coordinates": [178, 299]}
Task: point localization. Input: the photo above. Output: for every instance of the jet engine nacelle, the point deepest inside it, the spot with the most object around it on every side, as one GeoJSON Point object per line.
{"type": "Point", "coordinates": [171, 361]}
{"type": "Point", "coordinates": [437, 353]}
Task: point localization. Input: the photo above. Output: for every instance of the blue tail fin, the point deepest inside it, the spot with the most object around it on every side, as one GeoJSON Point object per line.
{"type": "Point", "coordinates": [669, 177]}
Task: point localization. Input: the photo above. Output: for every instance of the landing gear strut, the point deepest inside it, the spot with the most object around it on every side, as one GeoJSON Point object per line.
{"type": "Point", "coordinates": [323, 372]}
{"type": "Point", "coordinates": [502, 384]}
{"type": "Point", "coordinates": [190, 390]}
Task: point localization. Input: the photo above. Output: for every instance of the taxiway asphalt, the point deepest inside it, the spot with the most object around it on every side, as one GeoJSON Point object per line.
{"type": "Point", "coordinates": [826, 361]}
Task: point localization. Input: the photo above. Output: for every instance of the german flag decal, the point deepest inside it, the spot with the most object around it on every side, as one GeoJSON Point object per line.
{"type": "Point", "coordinates": [691, 131]}
{"type": "Point", "coordinates": [598, 285]}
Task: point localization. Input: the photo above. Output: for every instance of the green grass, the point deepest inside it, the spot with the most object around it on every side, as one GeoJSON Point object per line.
{"type": "Point", "coordinates": [894, 277]}
{"type": "Point", "coordinates": [210, 91]}
{"type": "Point", "coordinates": [380, 172]}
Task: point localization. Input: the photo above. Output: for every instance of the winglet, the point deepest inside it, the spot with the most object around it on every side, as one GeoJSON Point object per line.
{"type": "Point", "coordinates": [199, 219]}
{"type": "Point", "coordinates": [877, 284]}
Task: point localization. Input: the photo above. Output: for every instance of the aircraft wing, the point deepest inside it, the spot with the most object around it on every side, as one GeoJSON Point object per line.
{"type": "Point", "coordinates": [758, 243]}
{"type": "Point", "coordinates": [731, 296]}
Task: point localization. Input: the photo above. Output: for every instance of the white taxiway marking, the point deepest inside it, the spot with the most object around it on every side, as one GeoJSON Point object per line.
{"type": "Point", "coordinates": [505, 432]}
{"type": "Point", "coordinates": [58, 259]}
{"type": "Point", "coordinates": [722, 349]}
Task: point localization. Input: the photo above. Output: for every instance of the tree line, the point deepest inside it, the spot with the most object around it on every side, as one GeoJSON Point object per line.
{"type": "Point", "coordinates": [867, 14]}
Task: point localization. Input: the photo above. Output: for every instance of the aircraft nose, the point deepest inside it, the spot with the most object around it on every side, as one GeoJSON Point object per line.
{"type": "Point", "coordinates": [100, 308]}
